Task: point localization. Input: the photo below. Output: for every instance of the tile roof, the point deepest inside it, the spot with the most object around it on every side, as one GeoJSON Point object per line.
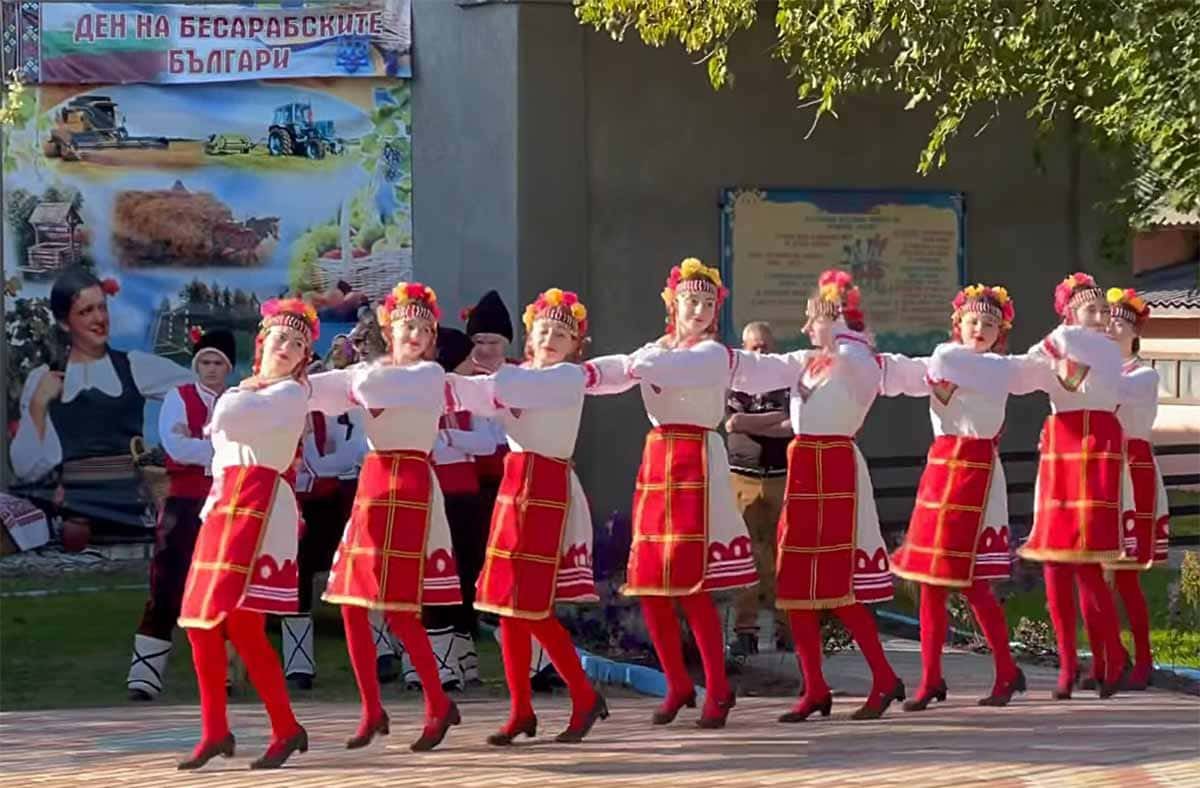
{"type": "Point", "coordinates": [1172, 299]}
{"type": "Point", "coordinates": [1173, 287]}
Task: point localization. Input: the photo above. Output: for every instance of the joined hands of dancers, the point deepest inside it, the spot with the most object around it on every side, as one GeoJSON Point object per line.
{"type": "Point", "coordinates": [397, 553]}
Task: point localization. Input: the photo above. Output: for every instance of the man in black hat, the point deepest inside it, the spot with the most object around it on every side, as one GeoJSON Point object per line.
{"type": "Point", "coordinates": [491, 332]}
{"type": "Point", "coordinates": [461, 435]}
{"type": "Point", "coordinates": [185, 412]}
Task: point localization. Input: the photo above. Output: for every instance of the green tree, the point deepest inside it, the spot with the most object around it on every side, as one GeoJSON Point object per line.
{"type": "Point", "coordinates": [1128, 73]}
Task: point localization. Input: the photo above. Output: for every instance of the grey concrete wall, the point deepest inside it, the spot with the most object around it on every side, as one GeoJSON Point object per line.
{"type": "Point", "coordinates": [465, 142]}
{"type": "Point", "coordinates": [616, 155]}
{"type": "Point", "coordinates": [662, 144]}
{"type": "Point", "coordinates": [552, 173]}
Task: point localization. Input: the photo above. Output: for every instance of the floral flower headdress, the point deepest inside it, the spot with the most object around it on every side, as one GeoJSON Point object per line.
{"type": "Point", "coordinates": [1074, 291]}
{"type": "Point", "coordinates": [559, 306]}
{"type": "Point", "coordinates": [1128, 305]}
{"type": "Point", "coordinates": [693, 276]}
{"type": "Point", "coordinates": [986, 300]}
{"type": "Point", "coordinates": [293, 313]}
{"type": "Point", "coordinates": [110, 286]}
{"type": "Point", "coordinates": [409, 300]}
{"type": "Point", "coordinates": [838, 296]}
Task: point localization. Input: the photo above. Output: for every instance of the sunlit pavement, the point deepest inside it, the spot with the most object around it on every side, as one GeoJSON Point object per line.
{"type": "Point", "coordinates": [1148, 738]}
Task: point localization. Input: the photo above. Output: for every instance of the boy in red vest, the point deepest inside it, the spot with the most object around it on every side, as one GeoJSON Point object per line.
{"type": "Point", "coordinates": [461, 435]}
{"type": "Point", "coordinates": [181, 422]}
{"type": "Point", "coordinates": [332, 453]}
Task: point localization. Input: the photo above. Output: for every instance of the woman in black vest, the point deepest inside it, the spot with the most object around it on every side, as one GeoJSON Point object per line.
{"type": "Point", "coordinates": [80, 412]}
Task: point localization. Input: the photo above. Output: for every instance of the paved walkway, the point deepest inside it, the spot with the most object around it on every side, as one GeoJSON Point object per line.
{"type": "Point", "coordinates": [1150, 738]}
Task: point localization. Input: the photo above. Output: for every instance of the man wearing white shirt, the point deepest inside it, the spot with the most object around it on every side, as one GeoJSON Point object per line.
{"type": "Point", "coordinates": [332, 452]}
{"type": "Point", "coordinates": [182, 421]}
{"type": "Point", "coordinates": [460, 437]}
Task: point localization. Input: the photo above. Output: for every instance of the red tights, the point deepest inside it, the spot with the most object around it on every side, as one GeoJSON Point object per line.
{"type": "Point", "coordinates": [806, 631]}
{"type": "Point", "coordinates": [1129, 588]}
{"type": "Point", "coordinates": [659, 613]}
{"type": "Point", "coordinates": [247, 631]}
{"type": "Point", "coordinates": [360, 642]}
{"type": "Point", "coordinates": [935, 623]}
{"type": "Point", "coordinates": [516, 645]}
{"type": "Point", "coordinates": [1099, 618]}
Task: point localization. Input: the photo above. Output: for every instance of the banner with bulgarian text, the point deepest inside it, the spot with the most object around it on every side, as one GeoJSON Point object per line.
{"type": "Point", "coordinates": [117, 43]}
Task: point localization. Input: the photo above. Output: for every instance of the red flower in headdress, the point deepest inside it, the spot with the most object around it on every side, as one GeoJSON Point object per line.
{"type": "Point", "coordinates": [1067, 287]}
{"type": "Point", "coordinates": [291, 306]}
{"type": "Point", "coordinates": [110, 286]}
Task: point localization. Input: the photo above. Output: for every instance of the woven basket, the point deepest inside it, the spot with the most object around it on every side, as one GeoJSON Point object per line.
{"type": "Point", "coordinates": [374, 275]}
{"type": "Point", "coordinates": [154, 477]}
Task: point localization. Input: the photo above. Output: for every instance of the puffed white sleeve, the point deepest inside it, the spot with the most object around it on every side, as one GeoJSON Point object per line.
{"type": "Point", "coordinates": [989, 372]}
{"type": "Point", "coordinates": [1029, 372]}
{"type": "Point", "coordinates": [559, 386]}
{"type": "Point", "coordinates": [156, 376]}
{"type": "Point", "coordinates": [758, 373]}
{"type": "Point", "coordinates": [480, 439]}
{"type": "Point", "coordinates": [904, 376]}
{"type": "Point", "coordinates": [608, 375]}
{"type": "Point", "coordinates": [1140, 388]}
{"type": "Point", "coordinates": [331, 392]}
{"type": "Point", "coordinates": [476, 393]}
{"type": "Point", "coordinates": [707, 363]}
{"type": "Point", "coordinates": [32, 456]}
{"type": "Point", "coordinates": [241, 413]}
{"type": "Point", "coordinates": [177, 441]}
{"type": "Point", "coordinates": [859, 368]}
{"type": "Point", "coordinates": [1094, 349]}
{"type": "Point", "coordinates": [387, 386]}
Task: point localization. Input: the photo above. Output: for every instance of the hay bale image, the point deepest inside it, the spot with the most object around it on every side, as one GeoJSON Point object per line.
{"type": "Point", "coordinates": [187, 229]}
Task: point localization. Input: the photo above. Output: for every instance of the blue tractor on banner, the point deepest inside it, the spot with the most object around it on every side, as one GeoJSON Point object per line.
{"type": "Point", "coordinates": [293, 132]}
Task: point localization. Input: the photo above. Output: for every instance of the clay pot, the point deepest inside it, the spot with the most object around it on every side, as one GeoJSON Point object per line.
{"type": "Point", "coordinates": [76, 535]}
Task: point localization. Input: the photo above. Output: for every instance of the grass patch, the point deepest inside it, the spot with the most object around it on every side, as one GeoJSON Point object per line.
{"type": "Point", "coordinates": [72, 650]}
{"type": "Point", "coordinates": [1187, 525]}
{"type": "Point", "coordinates": [1170, 646]}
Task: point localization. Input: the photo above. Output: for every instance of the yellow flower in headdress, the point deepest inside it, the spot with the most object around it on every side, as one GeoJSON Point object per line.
{"type": "Point", "coordinates": [692, 269]}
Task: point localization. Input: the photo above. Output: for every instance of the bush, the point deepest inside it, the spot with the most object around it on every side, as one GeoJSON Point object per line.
{"type": "Point", "coordinates": [1179, 643]}
{"type": "Point", "coordinates": [1034, 638]}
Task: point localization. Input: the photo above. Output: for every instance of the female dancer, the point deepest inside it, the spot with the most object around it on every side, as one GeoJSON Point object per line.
{"type": "Point", "coordinates": [244, 563]}
{"type": "Point", "coordinates": [539, 549]}
{"type": "Point", "coordinates": [831, 554]}
{"type": "Point", "coordinates": [957, 539]}
{"type": "Point", "coordinates": [688, 538]}
{"type": "Point", "coordinates": [1145, 527]}
{"type": "Point", "coordinates": [395, 554]}
{"type": "Point", "coordinates": [81, 411]}
{"type": "Point", "coordinates": [1082, 480]}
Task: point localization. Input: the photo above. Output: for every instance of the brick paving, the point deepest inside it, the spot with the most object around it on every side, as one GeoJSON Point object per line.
{"type": "Point", "coordinates": [1150, 738]}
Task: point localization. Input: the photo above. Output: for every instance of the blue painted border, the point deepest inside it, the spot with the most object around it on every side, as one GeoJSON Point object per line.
{"type": "Point", "coordinates": [834, 201]}
{"type": "Point", "coordinates": [602, 670]}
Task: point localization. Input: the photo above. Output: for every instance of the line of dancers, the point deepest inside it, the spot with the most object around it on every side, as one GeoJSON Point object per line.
{"type": "Point", "coordinates": [1100, 503]}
